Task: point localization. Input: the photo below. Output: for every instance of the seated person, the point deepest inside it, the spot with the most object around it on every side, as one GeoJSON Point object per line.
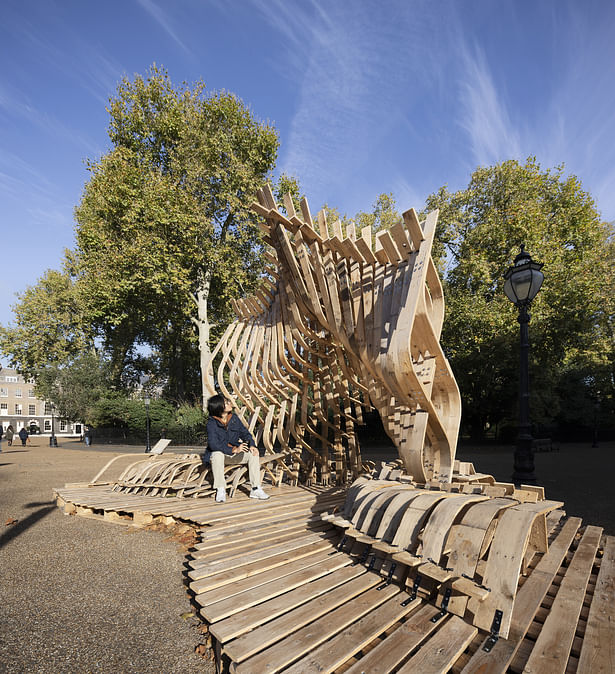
{"type": "Point", "coordinates": [230, 442]}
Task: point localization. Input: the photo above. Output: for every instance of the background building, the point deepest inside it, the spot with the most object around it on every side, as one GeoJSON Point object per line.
{"type": "Point", "coordinates": [20, 407]}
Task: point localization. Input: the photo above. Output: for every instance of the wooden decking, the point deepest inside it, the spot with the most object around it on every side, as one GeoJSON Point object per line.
{"type": "Point", "coordinates": [279, 594]}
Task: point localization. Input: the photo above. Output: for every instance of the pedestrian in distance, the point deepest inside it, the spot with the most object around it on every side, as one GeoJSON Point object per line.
{"type": "Point", "coordinates": [87, 435]}
{"type": "Point", "coordinates": [9, 435]}
{"type": "Point", "coordinates": [23, 436]}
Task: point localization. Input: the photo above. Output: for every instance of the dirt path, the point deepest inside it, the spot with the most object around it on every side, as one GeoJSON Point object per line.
{"type": "Point", "coordinates": [80, 595]}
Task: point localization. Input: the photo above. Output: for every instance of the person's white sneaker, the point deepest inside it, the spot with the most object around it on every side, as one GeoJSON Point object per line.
{"type": "Point", "coordinates": [257, 492]}
{"type": "Point", "coordinates": [221, 495]}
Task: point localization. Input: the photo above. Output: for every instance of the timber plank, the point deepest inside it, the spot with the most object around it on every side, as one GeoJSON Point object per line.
{"type": "Point", "coordinates": [295, 645]}
{"type": "Point", "coordinates": [333, 653]}
{"type": "Point", "coordinates": [268, 557]}
{"type": "Point", "coordinates": [234, 576]}
{"type": "Point", "coordinates": [250, 618]}
{"type": "Point", "coordinates": [552, 649]}
{"type": "Point", "coordinates": [393, 649]}
{"type": "Point", "coordinates": [223, 602]}
{"type": "Point", "coordinates": [204, 553]}
{"type": "Point", "coordinates": [273, 631]}
{"type": "Point", "coordinates": [598, 649]}
{"type": "Point", "coordinates": [528, 601]}
{"type": "Point", "coordinates": [441, 651]}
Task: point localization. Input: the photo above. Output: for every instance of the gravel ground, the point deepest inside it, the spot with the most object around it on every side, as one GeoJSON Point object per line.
{"type": "Point", "coordinates": [81, 595]}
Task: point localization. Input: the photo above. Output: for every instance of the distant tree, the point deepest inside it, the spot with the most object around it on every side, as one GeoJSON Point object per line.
{"type": "Point", "coordinates": [383, 215]}
{"type": "Point", "coordinates": [165, 237]}
{"type": "Point", "coordinates": [480, 231]}
{"type": "Point", "coordinates": [75, 389]}
{"type": "Point", "coordinates": [49, 326]}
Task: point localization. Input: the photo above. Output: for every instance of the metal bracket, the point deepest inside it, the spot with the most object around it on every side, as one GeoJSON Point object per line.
{"type": "Point", "coordinates": [443, 606]}
{"type": "Point", "coordinates": [389, 579]}
{"type": "Point", "coordinates": [372, 561]}
{"type": "Point", "coordinates": [364, 556]}
{"type": "Point", "coordinates": [342, 543]}
{"type": "Point", "coordinates": [415, 589]}
{"type": "Point", "coordinates": [492, 639]}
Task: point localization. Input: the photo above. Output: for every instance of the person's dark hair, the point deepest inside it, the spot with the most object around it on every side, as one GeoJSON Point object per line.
{"type": "Point", "coordinates": [215, 405]}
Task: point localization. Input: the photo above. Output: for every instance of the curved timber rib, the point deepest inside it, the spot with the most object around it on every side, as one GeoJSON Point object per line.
{"type": "Point", "coordinates": [344, 321]}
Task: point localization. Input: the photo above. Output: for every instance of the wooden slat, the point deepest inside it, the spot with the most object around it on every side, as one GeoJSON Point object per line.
{"type": "Point", "coordinates": [393, 649]}
{"type": "Point", "coordinates": [441, 651]}
{"type": "Point", "coordinates": [255, 568]}
{"type": "Point", "coordinates": [251, 618]}
{"type": "Point", "coordinates": [279, 628]}
{"type": "Point", "coordinates": [224, 602]}
{"type": "Point", "coordinates": [598, 649]}
{"type": "Point", "coordinates": [260, 559]}
{"type": "Point", "coordinates": [528, 601]}
{"type": "Point", "coordinates": [294, 646]}
{"type": "Point", "coordinates": [333, 653]}
{"type": "Point", "coordinates": [552, 649]}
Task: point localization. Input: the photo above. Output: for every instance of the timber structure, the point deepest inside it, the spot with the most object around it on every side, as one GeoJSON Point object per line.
{"type": "Point", "coordinates": [420, 565]}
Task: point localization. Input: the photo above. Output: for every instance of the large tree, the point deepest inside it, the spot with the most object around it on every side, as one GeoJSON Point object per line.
{"type": "Point", "coordinates": [480, 231]}
{"type": "Point", "coordinates": [165, 237]}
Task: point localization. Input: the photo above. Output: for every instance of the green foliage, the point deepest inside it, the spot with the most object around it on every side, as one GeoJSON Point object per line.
{"type": "Point", "coordinates": [480, 231]}
{"type": "Point", "coordinates": [75, 389]}
{"type": "Point", "coordinates": [165, 217]}
{"type": "Point", "coordinates": [125, 413]}
{"type": "Point", "coordinates": [383, 215]}
{"type": "Point", "coordinates": [49, 326]}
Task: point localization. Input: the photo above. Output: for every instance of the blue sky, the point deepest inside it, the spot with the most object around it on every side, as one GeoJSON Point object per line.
{"type": "Point", "coordinates": [368, 96]}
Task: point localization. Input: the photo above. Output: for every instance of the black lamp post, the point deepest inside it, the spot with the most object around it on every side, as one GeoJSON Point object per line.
{"type": "Point", "coordinates": [522, 283]}
{"type": "Point", "coordinates": [53, 441]}
{"type": "Point", "coordinates": [147, 443]}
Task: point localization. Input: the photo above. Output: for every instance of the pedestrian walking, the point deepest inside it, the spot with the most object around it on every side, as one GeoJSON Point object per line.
{"type": "Point", "coordinates": [9, 435]}
{"type": "Point", "coordinates": [23, 436]}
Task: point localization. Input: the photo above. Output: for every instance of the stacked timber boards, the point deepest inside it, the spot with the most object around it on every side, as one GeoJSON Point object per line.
{"type": "Point", "coordinates": [279, 596]}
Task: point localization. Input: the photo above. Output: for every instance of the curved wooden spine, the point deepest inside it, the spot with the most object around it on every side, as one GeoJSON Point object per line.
{"type": "Point", "coordinates": [344, 322]}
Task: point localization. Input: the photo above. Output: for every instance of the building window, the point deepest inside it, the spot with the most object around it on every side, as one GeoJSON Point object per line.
{"type": "Point", "coordinates": [18, 393]}
{"type": "Point", "coordinates": [4, 408]}
{"type": "Point", "coordinates": [31, 393]}
{"type": "Point", "coordinates": [62, 425]}
{"type": "Point", "coordinates": [14, 379]}
{"type": "Point", "coordinates": [47, 425]}
{"type": "Point", "coordinates": [47, 408]}
{"type": "Point", "coordinates": [4, 392]}
{"type": "Point", "coordinates": [18, 409]}
{"type": "Point", "coordinates": [31, 410]}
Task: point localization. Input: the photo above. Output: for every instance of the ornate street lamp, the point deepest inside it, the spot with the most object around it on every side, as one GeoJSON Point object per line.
{"type": "Point", "coordinates": [522, 283]}
{"type": "Point", "coordinates": [147, 443]}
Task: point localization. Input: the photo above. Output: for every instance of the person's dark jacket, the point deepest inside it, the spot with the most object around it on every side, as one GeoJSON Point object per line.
{"type": "Point", "coordinates": [219, 436]}
{"type": "Point", "coordinates": [23, 434]}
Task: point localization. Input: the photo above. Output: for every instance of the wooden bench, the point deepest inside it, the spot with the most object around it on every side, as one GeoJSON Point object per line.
{"type": "Point", "coordinates": [401, 578]}
{"type": "Point", "coordinates": [182, 475]}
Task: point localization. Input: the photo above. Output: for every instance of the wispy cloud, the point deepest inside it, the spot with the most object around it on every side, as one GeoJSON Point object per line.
{"type": "Point", "coordinates": [484, 115]}
{"type": "Point", "coordinates": [15, 105]}
{"type": "Point", "coordinates": [356, 70]}
{"type": "Point", "coordinates": [161, 18]}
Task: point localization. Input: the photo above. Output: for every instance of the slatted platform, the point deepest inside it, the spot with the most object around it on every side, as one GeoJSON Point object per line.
{"type": "Point", "coordinates": [101, 501]}
{"type": "Point", "coordinates": [279, 594]}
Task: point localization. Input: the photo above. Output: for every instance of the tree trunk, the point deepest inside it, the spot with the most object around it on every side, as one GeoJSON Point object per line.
{"type": "Point", "coordinates": [202, 324]}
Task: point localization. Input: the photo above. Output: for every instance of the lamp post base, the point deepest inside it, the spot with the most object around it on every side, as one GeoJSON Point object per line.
{"type": "Point", "coordinates": [524, 461]}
